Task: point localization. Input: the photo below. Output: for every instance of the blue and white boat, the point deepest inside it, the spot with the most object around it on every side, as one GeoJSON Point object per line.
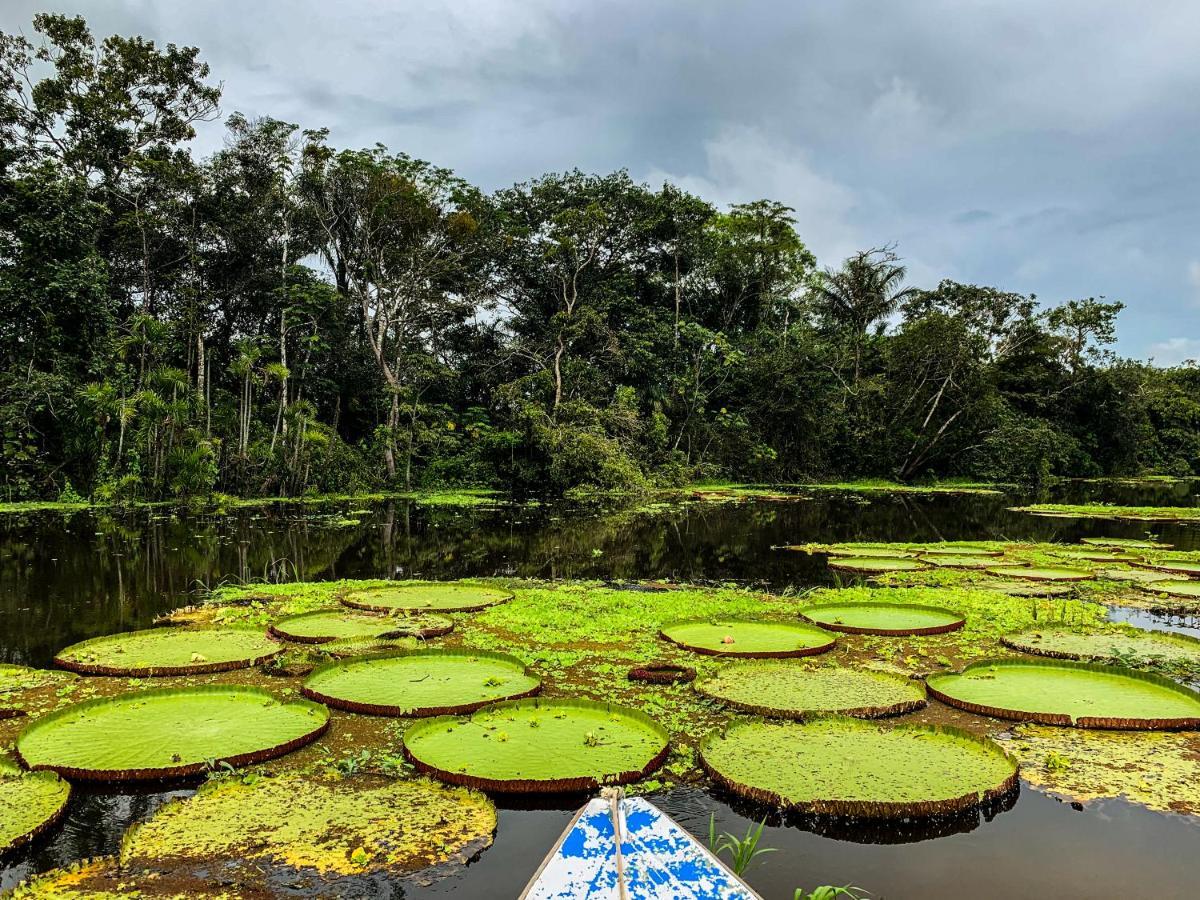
{"type": "Point", "coordinates": [625, 848]}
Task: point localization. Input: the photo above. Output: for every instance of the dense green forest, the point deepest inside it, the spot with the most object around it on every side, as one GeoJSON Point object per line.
{"type": "Point", "coordinates": [286, 316]}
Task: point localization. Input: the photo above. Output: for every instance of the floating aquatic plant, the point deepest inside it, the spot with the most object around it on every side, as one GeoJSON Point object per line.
{"type": "Point", "coordinates": [324, 625]}
{"type": "Point", "coordinates": [884, 618]}
{"type": "Point", "coordinates": [438, 596]}
{"type": "Point", "coordinates": [742, 637]}
{"type": "Point", "coordinates": [798, 691]}
{"type": "Point", "coordinates": [30, 803]}
{"type": "Point", "coordinates": [169, 651]}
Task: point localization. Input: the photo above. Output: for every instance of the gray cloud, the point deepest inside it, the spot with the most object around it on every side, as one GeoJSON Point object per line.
{"type": "Point", "coordinates": [1045, 148]}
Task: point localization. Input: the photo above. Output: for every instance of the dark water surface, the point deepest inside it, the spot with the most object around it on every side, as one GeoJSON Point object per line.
{"type": "Point", "coordinates": [64, 578]}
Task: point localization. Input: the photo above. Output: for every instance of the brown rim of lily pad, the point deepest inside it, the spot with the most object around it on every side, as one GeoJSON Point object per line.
{"type": "Point", "coordinates": [662, 673]}
{"type": "Point", "coordinates": [1042, 573]}
{"type": "Point", "coordinates": [876, 809]}
{"type": "Point", "coordinates": [1014, 642]}
{"type": "Point", "coordinates": [347, 597]}
{"type": "Point", "coordinates": [278, 630]}
{"type": "Point", "coordinates": [83, 667]}
{"type": "Point", "coordinates": [1115, 723]}
{"type": "Point", "coordinates": [1174, 567]}
{"type": "Point", "coordinates": [815, 650]}
{"type": "Point", "coordinates": [46, 824]}
{"type": "Point", "coordinates": [539, 785]}
{"type": "Point", "coordinates": [388, 709]}
{"type": "Point", "coordinates": [887, 632]}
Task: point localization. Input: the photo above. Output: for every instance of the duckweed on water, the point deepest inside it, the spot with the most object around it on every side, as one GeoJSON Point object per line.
{"type": "Point", "coordinates": [796, 690]}
{"type": "Point", "coordinates": [852, 767]}
{"type": "Point", "coordinates": [169, 651]}
{"type": "Point", "coordinates": [258, 832]}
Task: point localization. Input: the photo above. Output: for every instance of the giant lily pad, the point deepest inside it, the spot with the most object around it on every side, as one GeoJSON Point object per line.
{"type": "Point", "coordinates": [169, 651]}
{"type": "Point", "coordinates": [884, 618]}
{"type": "Point", "coordinates": [539, 746]}
{"type": "Point", "coordinates": [1069, 693]}
{"type": "Point", "coordinates": [1106, 646]}
{"type": "Point", "coordinates": [168, 733]}
{"type": "Point", "coordinates": [870, 551]}
{"type": "Point", "coordinates": [30, 803]}
{"type": "Point", "coordinates": [1042, 573]}
{"type": "Point", "coordinates": [1187, 567]}
{"type": "Point", "coordinates": [290, 828]}
{"type": "Point", "coordinates": [421, 682]}
{"type": "Point", "coordinates": [957, 561]}
{"type": "Point", "coordinates": [848, 767]}
{"type": "Point", "coordinates": [738, 637]}
{"type": "Point", "coordinates": [959, 550]}
{"type": "Point", "coordinates": [1185, 589]}
{"type": "Point", "coordinates": [1126, 543]}
{"type": "Point", "coordinates": [875, 565]}
{"type": "Point", "coordinates": [325, 625]}
{"type": "Point", "coordinates": [796, 691]}
{"type": "Point", "coordinates": [17, 682]}
{"type": "Point", "coordinates": [1093, 554]}
{"type": "Point", "coordinates": [419, 596]}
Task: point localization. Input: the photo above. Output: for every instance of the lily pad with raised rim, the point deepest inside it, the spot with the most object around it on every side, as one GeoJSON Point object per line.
{"type": "Point", "coordinates": [958, 550]}
{"type": "Point", "coordinates": [1042, 573]}
{"type": "Point", "coordinates": [532, 746]}
{"type": "Point", "coordinates": [1069, 693]}
{"type": "Point", "coordinates": [291, 827]}
{"type": "Point", "coordinates": [884, 618]}
{"type": "Point", "coordinates": [1126, 543]}
{"type": "Point", "coordinates": [1190, 568]}
{"type": "Point", "coordinates": [744, 637]}
{"type": "Point", "coordinates": [848, 767]}
{"type": "Point", "coordinates": [30, 804]}
{"type": "Point", "coordinates": [953, 561]}
{"type": "Point", "coordinates": [169, 651]}
{"type": "Point", "coordinates": [797, 691]}
{"type": "Point", "coordinates": [421, 682]}
{"type": "Point", "coordinates": [1187, 590]}
{"type": "Point", "coordinates": [339, 623]}
{"type": "Point", "coordinates": [1092, 554]}
{"type": "Point", "coordinates": [869, 551]}
{"type": "Point", "coordinates": [1102, 646]}
{"type": "Point", "coordinates": [17, 682]}
{"type": "Point", "coordinates": [422, 596]}
{"type": "Point", "coordinates": [875, 565]}
{"type": "Point", "coordinates": [168, 733]}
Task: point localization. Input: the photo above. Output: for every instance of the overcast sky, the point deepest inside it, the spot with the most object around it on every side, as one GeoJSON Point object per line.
{"type": "Point", "coordinates": [1043, 147]}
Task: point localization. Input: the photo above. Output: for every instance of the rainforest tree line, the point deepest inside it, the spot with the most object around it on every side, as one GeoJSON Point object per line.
{"type": "Point", "coordinates": [287, 316]}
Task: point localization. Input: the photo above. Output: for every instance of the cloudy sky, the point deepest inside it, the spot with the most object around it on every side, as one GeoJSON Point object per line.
{"type": "Point", "coordinates": [1047, 148]}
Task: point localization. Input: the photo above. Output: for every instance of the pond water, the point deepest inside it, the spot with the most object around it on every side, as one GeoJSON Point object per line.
{"type": "Point", "coordinates": [64, 578]}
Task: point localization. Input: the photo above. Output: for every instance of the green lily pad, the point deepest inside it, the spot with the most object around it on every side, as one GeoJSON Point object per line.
{"type": "Point", "coordinates": [421, 682]}
{"type": "Point", "coordinates": [1102, 646]}
{"type": "Point", "coordinates": [528, 746]}
{"type": "Point", "coordinates": [169, 651]}
{"type": "Point", "coordinates": [1042, 573]}
{"type": "Point", "coordinates": [884, 618]}
{"type": "Point", "coordinates": [954, 561]}
{"type": "Point", "coordinates": [796, 691]}
{"type": "Point", "coordinates": [30, 803]}
{"type": "Point", "coordinates": [1138, 576]}
{"type": "Point", "coordinates": [1093, 555]}
{"type": "Point", "coordinates": [1186, 589]}
{"type": "Point", "coordinates": [1069, 693]}
{"type": "Point", "coordinates": [417, 596]}
{"type": "Point", "coordinates": [740, 637]}
{"type": "Point", "coordinates": [958, 550]}
{"type": "Point", "coordinates": [17, 681]}
{"type": "Point", "coordinates": [325, 625]}
{"type": "Point", "coordinates": [168, 733]}
{"type": "Point", "coordinates": [875, 565]}
{"type": "Point", "coordinates": [870, 551]}
{"type": "Point", "coordinates": [1176, 567]}
{"type": "Point", "coordinates": [288, 828]}
{"type": "Point", "coordinates": [347, 647]}
{"type": "Point", "coordinates": [1126, 543]}
{"type": "Point", "coordinates": [848, 767]}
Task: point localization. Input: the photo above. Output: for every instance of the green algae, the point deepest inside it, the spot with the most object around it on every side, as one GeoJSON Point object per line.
{"type": "Point", "coordinates": [1068, 693]}
{"type": "Point", "coordinates": [169, 651]}
{"type": "Point", "coordinates": [30, 803]}
{"type": "Point", "coordinates": [324, 625]}
{"type": "Point", "coordinates": [884, 618]}
{"type": "Point", "coordinates": [255, 833]}
{"type": "Point", "coordinates": [851, 767]}
{"type": "Point", "coordinates": [168, 732]}
{"type": "Point", "coordinates": [797, 691]}
{"type": "Point", "coordinates": [421, 683]}
{"type": "Point", "coordinates": [445, 596]}
{"type": "Point", "coordinates": [731, 637]}
{"type": "Point", "coordinates": [539, 746]}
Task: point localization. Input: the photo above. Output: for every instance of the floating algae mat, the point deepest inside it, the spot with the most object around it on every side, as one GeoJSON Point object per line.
{"type": "Point", "coordinates": [875, 565]}
{"type": "Point", "coordinates": [884, 618]}
{"type": "Point", "coordinates": [848, 767]}
{"type": "Point", "coordinates": [30, 803]}
{"type": "Point", "coordinates": [1042, 573]}
{"type": "Point", "coordinates": [795, 691]}
{"type": "Point", "coordinates": [17, 681]}
{"type": "Point", "coordinates": [1069, 693]}
{"type": "Point", "coordinates": [539, 746]}
{"type": "Point", "coordinates": [295, 827]}
{"type": "Point", "coordinates": [421, 683]}
{"type": "Point", "coordinates": [1063, 643]}
{"type": "Point", "coordinates": [325, 625]}
{"type": "Point", "coordinates": [740, 637]}
{"type": "Point", "coordinates": [169, 651]}
{"type": "Point", "coordinates": [440, 596]}
{"type": "Point", "coordinates": [168, 733]}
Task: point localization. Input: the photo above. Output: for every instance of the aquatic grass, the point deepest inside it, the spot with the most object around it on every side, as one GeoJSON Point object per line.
{"type": "Point", "coordinates": [742, 850]}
